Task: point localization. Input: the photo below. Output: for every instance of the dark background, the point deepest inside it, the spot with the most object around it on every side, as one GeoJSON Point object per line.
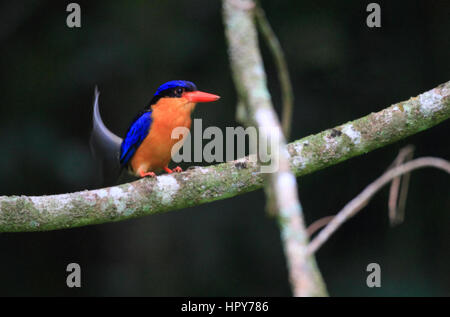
{"type": "Point", "coordinates": [341, 70]}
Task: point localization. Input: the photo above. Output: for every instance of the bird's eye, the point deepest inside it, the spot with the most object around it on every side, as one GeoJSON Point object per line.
{"type": "Point", "coordinates": [179, 91]}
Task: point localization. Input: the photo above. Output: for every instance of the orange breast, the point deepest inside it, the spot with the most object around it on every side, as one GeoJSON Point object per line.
{"type": "Point", "coordinates": [154, 153]}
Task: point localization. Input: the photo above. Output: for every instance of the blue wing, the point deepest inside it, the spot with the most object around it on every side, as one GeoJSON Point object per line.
{"type": "Point", "coordinates": [136, 134]}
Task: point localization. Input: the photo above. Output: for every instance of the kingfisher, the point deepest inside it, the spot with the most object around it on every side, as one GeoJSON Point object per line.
{"type": "Point", "coordinates": [147, 146]}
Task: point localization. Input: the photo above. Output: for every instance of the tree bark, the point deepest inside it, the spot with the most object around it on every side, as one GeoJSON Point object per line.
{"type": "Point", "coordinates": [206, 184]}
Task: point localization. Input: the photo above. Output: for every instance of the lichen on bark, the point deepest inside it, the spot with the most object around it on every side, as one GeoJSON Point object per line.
{"type": "Point", "coordinates": [206, 184]}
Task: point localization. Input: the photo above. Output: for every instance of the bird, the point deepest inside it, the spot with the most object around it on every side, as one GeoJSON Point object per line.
{"type": "Point", "coordinates": [147, 146]}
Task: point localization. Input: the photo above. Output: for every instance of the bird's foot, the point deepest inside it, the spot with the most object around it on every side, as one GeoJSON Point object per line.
{"type": "Point", "coordinates": [168, 170]}
{"type": "Point", "coordinates": [145, 174]}
{"type": "Point", "coordinates": [176, 169]}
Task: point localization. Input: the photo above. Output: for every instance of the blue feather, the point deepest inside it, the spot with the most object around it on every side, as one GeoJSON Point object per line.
{"type": "Point", "coordinates": [176, 83]}
{"type": "Point", "coordinates": [136, 134]}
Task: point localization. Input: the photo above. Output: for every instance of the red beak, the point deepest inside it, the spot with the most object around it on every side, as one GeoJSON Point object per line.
{"type": "Point", "coordinates": [200, 96]}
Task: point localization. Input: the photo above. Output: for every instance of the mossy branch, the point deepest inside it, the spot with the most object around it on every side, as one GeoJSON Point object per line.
{"type": "Point", "coordinates": [207, 184]}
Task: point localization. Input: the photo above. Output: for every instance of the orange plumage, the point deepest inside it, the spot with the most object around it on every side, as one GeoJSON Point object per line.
{"type": "Point", "coordinates": [154, 154]}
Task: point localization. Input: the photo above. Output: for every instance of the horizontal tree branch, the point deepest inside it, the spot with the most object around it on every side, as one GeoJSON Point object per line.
{"type": "Point", "coordinates": [206, 184]}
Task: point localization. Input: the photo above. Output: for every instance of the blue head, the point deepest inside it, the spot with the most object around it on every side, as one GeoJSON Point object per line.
{"type": "Point", "coordinates": [165, 88]}
{"type": "Point", "coordinates": [173, 88]}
